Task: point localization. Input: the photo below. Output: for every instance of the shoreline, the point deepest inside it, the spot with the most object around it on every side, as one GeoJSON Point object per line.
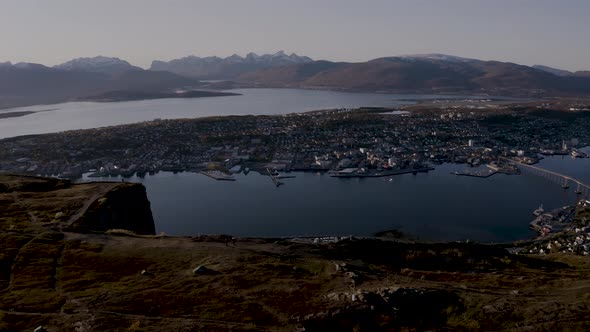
{"type": "Point", "coordinates": [17, 114]}
{"type": "Point", "coordinates": [456, 96]}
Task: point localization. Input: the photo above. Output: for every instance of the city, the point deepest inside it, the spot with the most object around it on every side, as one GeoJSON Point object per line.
{"type": "Point", "coordinates": [368, 139]}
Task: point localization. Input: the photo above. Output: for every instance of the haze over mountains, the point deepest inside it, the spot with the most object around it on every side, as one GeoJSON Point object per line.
{"type": "Point", "coordinates": [24, 84]}
{"type": "Point", "coordinates": [217, 68]}
{"type": "Point", "coordinates": [99, 64]}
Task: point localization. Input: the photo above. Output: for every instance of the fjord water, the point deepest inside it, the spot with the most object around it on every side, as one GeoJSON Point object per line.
{"type": "Point", "coordinates": [433, 206]}
{"type": "Point", "coordinates": [84, 115]}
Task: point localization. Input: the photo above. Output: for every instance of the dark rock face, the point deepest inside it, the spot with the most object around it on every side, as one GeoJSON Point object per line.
{"type": "Point", "coordinates": [38, 204]}
{"type": "Point", "coordinates": [124, 207]}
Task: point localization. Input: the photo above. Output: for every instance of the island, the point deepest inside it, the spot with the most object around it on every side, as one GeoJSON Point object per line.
{"type": "Point", "coordinates": [6, 115]}
{"type": "Point", "coordinates": [124, 95]}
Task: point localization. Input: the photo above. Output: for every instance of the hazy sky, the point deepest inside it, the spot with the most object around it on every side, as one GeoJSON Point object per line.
{"type": "Point", "coordinates": [554, 33]}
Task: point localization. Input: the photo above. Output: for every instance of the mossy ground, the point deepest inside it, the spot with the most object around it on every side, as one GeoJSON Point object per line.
{"type": "Point", "coordinates": [68, 281]}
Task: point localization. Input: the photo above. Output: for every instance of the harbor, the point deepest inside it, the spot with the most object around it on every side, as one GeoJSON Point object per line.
{"type": "Point", "coordinates": [554, 221]}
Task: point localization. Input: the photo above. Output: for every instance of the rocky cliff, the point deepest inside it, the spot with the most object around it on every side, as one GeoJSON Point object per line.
{"type": "Point", "coordinates": [123, 207]}
{"type": "Point", "coordinates": [35, 204]}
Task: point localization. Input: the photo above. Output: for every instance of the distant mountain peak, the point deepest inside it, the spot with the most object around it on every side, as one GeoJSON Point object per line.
{"type": "Point", "coordinates": [28, 65]}
{"type": "Point", "coordinates": [100, 64]}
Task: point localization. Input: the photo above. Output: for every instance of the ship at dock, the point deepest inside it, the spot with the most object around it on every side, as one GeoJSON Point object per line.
{"type": "Point", "coordinates": [539, 211]}
{"type": "Point", "coordinates": [578, 154]}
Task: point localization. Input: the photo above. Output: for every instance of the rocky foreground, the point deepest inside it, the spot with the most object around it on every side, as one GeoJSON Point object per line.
{"type": "Point", "coordinates": [83, 257]}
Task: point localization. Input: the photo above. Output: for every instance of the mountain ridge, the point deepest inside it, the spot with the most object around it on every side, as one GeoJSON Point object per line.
{"type": "Point", "coordinates": [25, 84]}
{"type": "Point", "coordinates": [98, 64]}
{"type": "Point", "coordinates": [214, 67]}
{"type": "Point", "coordinates": [429, 73]}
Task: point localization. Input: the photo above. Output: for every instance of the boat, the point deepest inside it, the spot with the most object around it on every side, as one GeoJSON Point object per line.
{"type": "Point", "coordinates": [539, 211]}
{"type": "Point", "coordinates": [578, 154]}
{"type": "Point", "coordinates": [566, 186]}
{"type": "Point", "coordinates": [578, 192]}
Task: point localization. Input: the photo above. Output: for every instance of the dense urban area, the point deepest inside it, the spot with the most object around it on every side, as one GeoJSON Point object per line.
{"type": "Point", "coordinates": [366, 139]}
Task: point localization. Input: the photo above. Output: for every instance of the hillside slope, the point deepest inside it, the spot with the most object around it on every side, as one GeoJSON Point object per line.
{"type": "Point", "coordinates": [421, 74]}
{"type": "Point", "coordinates": [25, 84]}
{"type": "Point", "coordinates": [53, 276]}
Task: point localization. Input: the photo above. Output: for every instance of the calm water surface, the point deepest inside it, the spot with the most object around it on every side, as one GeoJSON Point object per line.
{"type": "Point", "coordinates": [70, 116]}
{"type": "Point", "coordinates": [434, 205]}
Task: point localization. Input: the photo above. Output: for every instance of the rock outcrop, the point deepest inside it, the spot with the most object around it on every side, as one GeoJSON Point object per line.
{"type": "Point", "coordinates": [124, 207]}
{"type": "Point", "coordinates": [36, 204]}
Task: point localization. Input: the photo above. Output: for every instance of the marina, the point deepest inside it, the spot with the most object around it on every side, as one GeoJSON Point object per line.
{"type": "Point", "coordinates": [553, 221]}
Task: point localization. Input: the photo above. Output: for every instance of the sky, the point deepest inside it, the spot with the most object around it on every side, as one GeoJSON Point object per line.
{"type": "Point", "coordinates": [554, 33]}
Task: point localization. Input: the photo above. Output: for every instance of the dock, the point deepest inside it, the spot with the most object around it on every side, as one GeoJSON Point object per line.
{"type": "Point", "coordinates": [285, 176]}
{"type": "Point", "coordinates": [217, 175]}
{"type": "Point", "coordinates": [554, 221]}
{"type": "Point", "coordinates": [274, 178]}
{"type": "Point", "coordinates": [475, 174]}
{"type": "Point", "coordinates": [377, 174]}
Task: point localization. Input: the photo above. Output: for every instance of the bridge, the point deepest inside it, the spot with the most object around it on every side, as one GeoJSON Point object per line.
{"type": "Point", "coordinates": [582, 189]}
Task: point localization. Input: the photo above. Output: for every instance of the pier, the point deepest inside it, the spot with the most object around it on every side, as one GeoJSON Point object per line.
{"type": "Point", "coordinates": [217, 175]}
{"type": "Point", "coordinates": [377, 174]}
{"type": "Point", "coordinates": [475, 174]}
{"type": "Point", "coordinates": [274, 178]}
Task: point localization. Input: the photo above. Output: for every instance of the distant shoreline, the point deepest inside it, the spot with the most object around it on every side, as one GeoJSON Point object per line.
{"type": "Point", "coordinates": [21, 113]}
{"type": "Point", "coordinates": [118, 96]}
{"type": "Point", "coordinates": [121, 95]}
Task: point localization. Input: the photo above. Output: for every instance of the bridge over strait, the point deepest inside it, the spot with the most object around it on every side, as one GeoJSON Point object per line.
{"type": "Point", "coordinates": [582, 189]}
